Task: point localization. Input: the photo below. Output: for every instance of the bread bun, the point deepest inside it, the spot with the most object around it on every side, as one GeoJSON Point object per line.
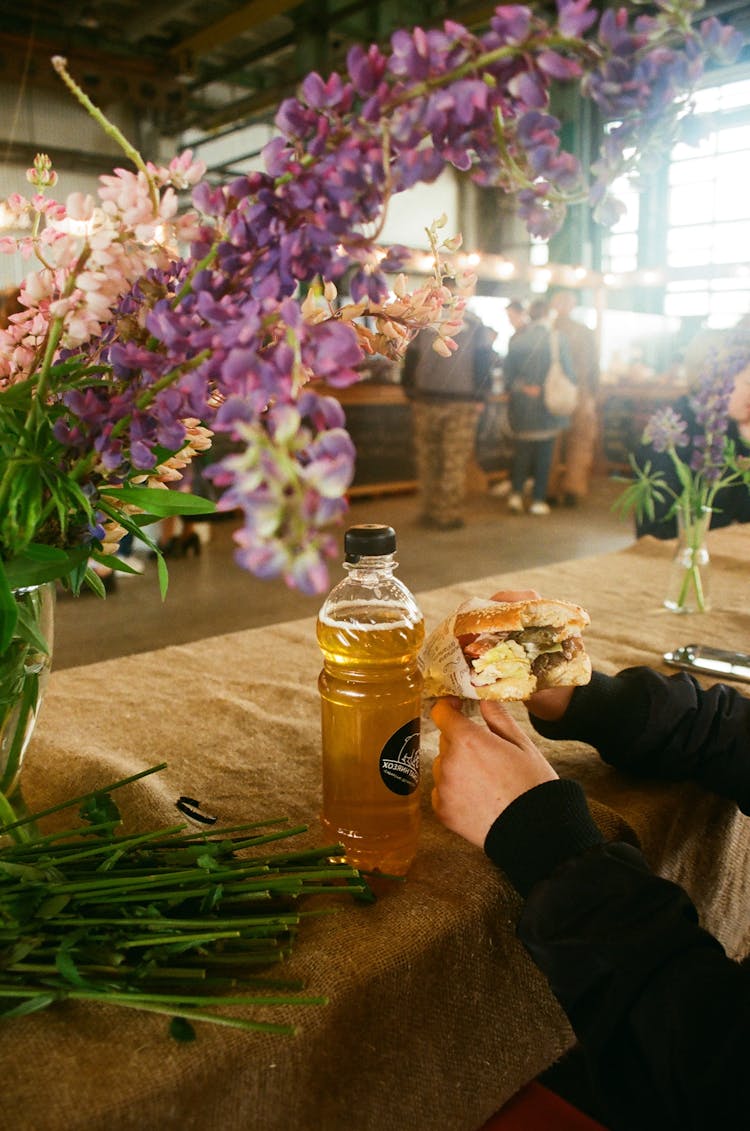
{"type": "Point", "coordinates": [571, 673]}
{"type": "Point", "coordinates": [515, 616]}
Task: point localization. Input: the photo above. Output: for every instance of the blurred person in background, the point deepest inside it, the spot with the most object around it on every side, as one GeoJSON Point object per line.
{"type": "Point", "coordinates": [535, 428]}
{"type": "Point", "coordinates": [517, 315]}
{"type": "Point", "coordinates": [447, 395]}
{"type": "Point", "coordinates": [573, 459]}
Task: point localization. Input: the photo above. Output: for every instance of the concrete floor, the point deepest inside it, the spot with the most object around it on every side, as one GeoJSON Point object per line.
{"type": "Point", "coordinates": [210, 595]}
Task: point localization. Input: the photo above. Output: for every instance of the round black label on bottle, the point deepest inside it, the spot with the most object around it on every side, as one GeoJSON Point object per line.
{"type": "Point", "coordinates": [399, 759]}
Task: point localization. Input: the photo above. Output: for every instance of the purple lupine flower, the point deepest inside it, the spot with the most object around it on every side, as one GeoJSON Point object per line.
{"type": "Point", "coordinates": [308, 572]}
{"type": "Point", "coordinates": [366, 68]}
{"type": "Point", "coordinates": [710, 404]}
{"type": "Point", "coordinates": [511, 23]}
{"type": "Point", "coordinates": [575, 17]}
{"type": "Point", "coordinates": [331, 463]}
{"type": "Point", "coordinates": [665, 430]}
{"type": "Point", "coordinates": [266, 561]}
{"type": "Point", "coordinates": [723, 41]}
{"type": "Point", "coordinates": [331, 351]}
{"type": "Point", "coordinates": [322, 412]}
{"type": "Point", "coordinates": [234, 350]}
{"type": "Point", "coordinates": [321, 95]}
{"type": "Point", "coordinates": [557, 66]}
{"type": "Point", "coordinates": [541, 218]}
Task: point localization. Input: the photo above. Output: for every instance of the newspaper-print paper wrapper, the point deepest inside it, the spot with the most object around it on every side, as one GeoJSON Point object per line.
{"type": "Point", "coordinates": [443, 665]}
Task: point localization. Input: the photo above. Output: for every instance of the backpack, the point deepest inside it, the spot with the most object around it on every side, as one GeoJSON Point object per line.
{"type": "Point", "coordinates": [560, 393]}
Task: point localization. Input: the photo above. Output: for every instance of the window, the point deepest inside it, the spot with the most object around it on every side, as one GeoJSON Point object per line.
{"type": "Point", "coordinates": [706, 205]}
{"type": "Point", "coordinates": [620, 252]}
{"type": "Point", "coordinates": [708, 212]}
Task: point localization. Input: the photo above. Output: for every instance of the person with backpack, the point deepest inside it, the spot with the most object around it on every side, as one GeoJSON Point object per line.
{"type": "Point", "coordinates": [535, 428]}
{"type": "Point", "coordinates": [573, 461]}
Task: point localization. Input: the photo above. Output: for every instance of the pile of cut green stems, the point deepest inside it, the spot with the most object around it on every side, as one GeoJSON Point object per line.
{"type": "Point", "coordinates": [172, 922]}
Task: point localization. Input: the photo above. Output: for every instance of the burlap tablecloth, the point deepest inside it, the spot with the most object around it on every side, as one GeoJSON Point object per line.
{"type": "Point", "coordinates": [436, 1014]}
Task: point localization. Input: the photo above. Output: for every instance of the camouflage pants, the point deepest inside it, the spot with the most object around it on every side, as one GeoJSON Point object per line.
{"type": "Point", "coordinates": [444, 436]}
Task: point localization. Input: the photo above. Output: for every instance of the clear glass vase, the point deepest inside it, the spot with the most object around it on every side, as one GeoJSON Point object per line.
{"type": "Point", "coordinates": [688, 589]}
{"type": "Point", "coordinates": [24, 671]}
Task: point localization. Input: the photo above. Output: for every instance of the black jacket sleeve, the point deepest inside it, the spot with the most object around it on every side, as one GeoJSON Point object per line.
{"type": "Point", "coordinates": [662, 1015]}
{"type": "Point", "coordinates": [665, 727]}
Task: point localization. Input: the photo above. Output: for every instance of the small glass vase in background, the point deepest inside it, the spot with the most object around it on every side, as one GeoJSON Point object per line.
{"type": "Point", "coordinates": [24, 671]}
{"type": "Point", "coordinates": [688, 590]}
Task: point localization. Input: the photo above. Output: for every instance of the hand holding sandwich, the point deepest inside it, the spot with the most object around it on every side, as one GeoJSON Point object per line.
{"type": "Point", "coordinates": [481, 770]}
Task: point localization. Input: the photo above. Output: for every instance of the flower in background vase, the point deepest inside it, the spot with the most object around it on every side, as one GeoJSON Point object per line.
{"type": "Point", "coordinates": [126, 334]}
{"type": "Point", "coordinates": [704, 460]}
{"type": "Point", "coordinates": [688, 588]}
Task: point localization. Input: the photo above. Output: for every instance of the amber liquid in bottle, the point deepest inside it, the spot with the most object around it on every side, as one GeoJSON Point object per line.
{"type": "Point", "coordinates": [370, 690]}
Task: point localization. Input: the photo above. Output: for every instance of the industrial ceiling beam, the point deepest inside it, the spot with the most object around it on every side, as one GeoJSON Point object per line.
{"type": "Point", "coordinates": [261, 103]}
{"type": "Point", "coordinates": [243, 19]}
{"type": "Point", "coordinates": [233, 72]}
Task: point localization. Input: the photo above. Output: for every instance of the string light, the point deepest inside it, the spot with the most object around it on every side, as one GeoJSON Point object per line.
{"type": "Point", "coordinates": [491, 267]}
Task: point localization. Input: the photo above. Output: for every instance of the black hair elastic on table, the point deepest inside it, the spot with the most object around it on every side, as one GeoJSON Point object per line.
{"type": "Point", "coordinates": [189, 806]}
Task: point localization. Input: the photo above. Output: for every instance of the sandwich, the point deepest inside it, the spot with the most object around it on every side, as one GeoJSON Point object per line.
{"type": "Point", "coordinates": [506, 650]}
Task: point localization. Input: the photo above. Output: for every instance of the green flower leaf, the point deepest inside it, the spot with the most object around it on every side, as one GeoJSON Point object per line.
{"type": "Point", "coordinates": [39, 563]}
{"type": "Point", "coordinates": [113, 562]}
{"type": "Point", "coordinates": [66, 966]}
{"type": "Point", "coordinates": [99, 808]}
{"type": "Point", "coordinates": [31, 1005]}
{"type": "Point", "coordinates": [51, 907]}
{"type": "Point", "coordinates": [163, 574]}
{"type": "Point", "coordinates": [643, 492]}
{"type": "Point", "coordinates": [27, 629]}
{"type": "Point", "coordinates": [8, 609]}
{"type": "Point", "coordinates": [159, 502]}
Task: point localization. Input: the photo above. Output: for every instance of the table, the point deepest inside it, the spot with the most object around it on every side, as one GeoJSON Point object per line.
{"type": "Point", "coordinates": [436, 1014]}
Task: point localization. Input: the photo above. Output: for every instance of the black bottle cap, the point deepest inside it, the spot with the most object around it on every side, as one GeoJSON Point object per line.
{"type": "Point", "coordinates": [369, 540]}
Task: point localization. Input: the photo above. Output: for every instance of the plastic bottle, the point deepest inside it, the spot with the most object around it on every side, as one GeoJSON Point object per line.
{"type": "Point", "coordinates": [370, 631]}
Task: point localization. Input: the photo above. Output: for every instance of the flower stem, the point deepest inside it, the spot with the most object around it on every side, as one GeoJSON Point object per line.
{"type": "Point", "coordinates": [9, 824]}
{"type": "Point", "coordinates": [692, 532]}
{"type": "Point", "coordinates": [18, 822]}
{"type": "Point", "coordinates": [60, 65]}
